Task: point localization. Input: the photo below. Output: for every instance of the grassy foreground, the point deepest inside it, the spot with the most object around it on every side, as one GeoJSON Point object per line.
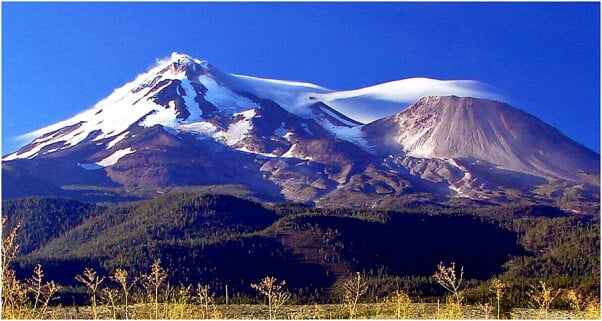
{"type": "Point", "coordinates": [426, 311]}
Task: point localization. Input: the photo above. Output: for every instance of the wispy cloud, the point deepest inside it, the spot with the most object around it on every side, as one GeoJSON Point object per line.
{"type": "Point", "coordinates": [374, 102]}
{"type": "Point", "coordinates": [412, 89]}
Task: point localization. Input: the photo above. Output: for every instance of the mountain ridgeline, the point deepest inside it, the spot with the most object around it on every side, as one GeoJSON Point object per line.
{"type": "Point", "coordinates": [223, 241]}
{"type": "Point", "coordinates": [186, 125]}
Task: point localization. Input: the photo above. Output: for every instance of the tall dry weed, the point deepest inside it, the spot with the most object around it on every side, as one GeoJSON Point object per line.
{"type": "Point", "coordinates": [154, 280]}
{"type": "Point", "coordinates": [586, 307]}
{"type": "Point", "coordinates": [486, 308]}
{"type": "Point", "coordinates": [276, 294]}
{"type": "Point", "coordinates": [354, 289]}
{"type": "Point", "coordinates": [402, 305]}
{"type": "Point", "coordinates": [92, 282]}
{"type": "Point", "coordinates": [498, 288]}
{"type": "Point", "coordinates": [449, 279]}
{"type": "Point", "coordinates": [206, 300]}
{"type": "Point", "coordinates": [109, 297]}
{"type": "Point", "coordinates": [14, 292]}
{"type": "Point", "coordinates": [42, 292]}
{"type": "Point", "coordinates": [541, 297]}
{"type": "Point", "coordinates": [126, 283]}
{"type": "Point", "coordinates": [179, 303]}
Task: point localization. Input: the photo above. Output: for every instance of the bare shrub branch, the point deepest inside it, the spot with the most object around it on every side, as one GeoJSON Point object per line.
{"type": "Point", "coordinates": [276, 293]}
{"type": "Point", "coordinates": [354, 289]}
{"type": "Point", "coordinates": [542, 296]}
{"type": "Point", "coordinates": [92, 283]}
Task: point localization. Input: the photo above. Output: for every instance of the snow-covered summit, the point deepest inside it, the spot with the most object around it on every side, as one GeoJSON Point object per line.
{"type": "Point", "coordinates": [127, 105]}
{"type": "Point", "coordinates": [186, 123]}
{"type": "Point", "coordinates": [181, 93]}
{"type": "Point", "coordinates": [182, 59]}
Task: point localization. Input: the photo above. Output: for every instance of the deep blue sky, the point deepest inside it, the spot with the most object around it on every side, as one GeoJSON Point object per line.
{"type": "Point", "coordinates": [61, 58]}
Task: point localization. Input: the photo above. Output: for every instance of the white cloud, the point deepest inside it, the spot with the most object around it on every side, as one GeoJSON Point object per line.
{"type": "Point", "coordinates": [374, 102]}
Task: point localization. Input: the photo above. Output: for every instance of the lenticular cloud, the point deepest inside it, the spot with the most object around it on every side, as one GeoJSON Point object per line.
{"type": "Point", "coordinates": [412, 89]}
{"type": "Point", "coordinates": [391, 97]}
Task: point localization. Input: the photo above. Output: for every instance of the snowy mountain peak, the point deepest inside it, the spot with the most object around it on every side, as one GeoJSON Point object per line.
{"type": "Point", "coordinates": [181, 88]}
{"type": "Point", "coordinates": [178, 63]}
{"type": "Point", "coordinates": [176, 90]}
{"type": "Point", "coordinates": [186, 123]}
{"type": "Point", "coordinates": [183, 59]}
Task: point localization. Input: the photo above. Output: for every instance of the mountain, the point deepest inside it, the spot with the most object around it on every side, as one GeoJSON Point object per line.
{"type": "Point", "coordinates": [491, 143]}
{"type": "Point", "coordinates": [185, 124]}
{"type": "Point", "coordinates": [464, 127]}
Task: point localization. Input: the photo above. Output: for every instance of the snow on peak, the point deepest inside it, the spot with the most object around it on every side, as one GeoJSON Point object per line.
{"type": "Point", "coordinates": [137, 102]}
{"type": "Point", "coordinates": [180, 58]}
{"type": "Point", "coordinates": [182, 78]}
{"type": "Point", "coordinates": [371, 103]}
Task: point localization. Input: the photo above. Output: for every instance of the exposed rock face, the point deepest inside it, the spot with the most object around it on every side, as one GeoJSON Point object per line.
{"type": "Point", "coordinates": [185, 124]}
{"type": "Point", "coordinates": [479, 129]}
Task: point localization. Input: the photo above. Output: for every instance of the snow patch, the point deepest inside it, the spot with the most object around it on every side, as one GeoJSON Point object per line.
{"type": "Point", "coordinates": [116, 140]}
{"type": "Point", "coordinates": [203, 129]}
{"type": "Point", "coordinates": [189, 99]}
{"type": "Point", "coordinates": [247, 114]}
{"type": "Point", "coordinates": [52, 150]}
{"type": "Point", "coordinates": [115, 157]}
{"type": "Point", "coordinates": [223, 98]}
{"type": "Point", "coordinates": [108, 161]}
{"type": "Point", "coordinates": [258, 155]}
{"type": "Point", "coordinates": [160, 116]}
{"type": "Point", "coordinates": [335, 116]}
{"type": "Point", "coordinates": [238, 130]}
{"type": "Point", "coordinates": [288, 136]}
{"type": "Point", "coordinates": [354, 135]}
{"type": "Point", "coordinates": [290, 153]}
{"type": "Point", "coordinates": [16, 155]}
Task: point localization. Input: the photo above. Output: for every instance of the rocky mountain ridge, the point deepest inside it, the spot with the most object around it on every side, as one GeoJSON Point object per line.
{"type": "Point", "coordinates": [185, 124]}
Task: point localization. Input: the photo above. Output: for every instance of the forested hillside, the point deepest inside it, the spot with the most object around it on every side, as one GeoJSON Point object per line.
{"type": "Point", "coordinates": [227, 241]}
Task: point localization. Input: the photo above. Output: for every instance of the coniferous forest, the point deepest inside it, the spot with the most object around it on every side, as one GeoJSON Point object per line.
{"type": "Point", "coordinates": [223, 249]}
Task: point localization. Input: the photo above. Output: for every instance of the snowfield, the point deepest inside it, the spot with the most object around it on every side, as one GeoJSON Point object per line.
{"type": "Point", "coordinates": [133, 104]}
{"type": "Point", "coordinates": [108, 161]}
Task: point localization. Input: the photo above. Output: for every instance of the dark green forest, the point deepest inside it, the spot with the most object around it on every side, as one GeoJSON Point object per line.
{"type": "Point", "coordinates": [223, 240]}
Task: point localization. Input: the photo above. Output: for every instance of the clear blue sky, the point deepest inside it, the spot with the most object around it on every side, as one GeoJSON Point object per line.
{"type": "Point", "coordinates": [61, 58]}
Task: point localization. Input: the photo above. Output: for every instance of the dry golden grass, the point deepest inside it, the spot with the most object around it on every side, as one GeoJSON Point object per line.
{"type": "Point", "coordinates": [592, 310]}
{"type": "Point", "coordinates": [181, 311]}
